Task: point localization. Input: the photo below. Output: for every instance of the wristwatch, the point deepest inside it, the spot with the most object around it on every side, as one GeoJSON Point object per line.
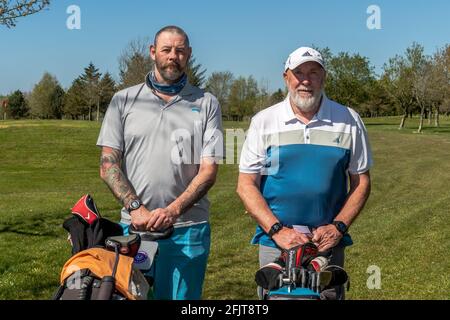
{"type": "Point", "coordinates": [135, 204]}
{"type": "Point", "coordinates": [274, 229]}
{"type": "Point", "coordinates": [341, 226]}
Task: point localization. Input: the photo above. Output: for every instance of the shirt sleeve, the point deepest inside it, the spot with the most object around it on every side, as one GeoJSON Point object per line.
{"type": "Point", "coordinates": [111, 132]}
{"type": "Point", "coordinates": [361, 154]}
{"type": "Point", "coordinates": [213, 142]}
{"type": "Point", "coordinates": [253, 155]}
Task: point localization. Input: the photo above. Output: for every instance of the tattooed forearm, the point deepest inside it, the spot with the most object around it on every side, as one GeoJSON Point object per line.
{"type": "Point", "coordinates": [197, 189]}
{"type": "Point", "coordinates": [113, 176]}
{"type": "Point", "coordinates": [193, 194]}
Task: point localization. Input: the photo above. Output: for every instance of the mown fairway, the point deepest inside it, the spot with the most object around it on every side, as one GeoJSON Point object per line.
{"type": "Point", "coordinates": [46, 166]}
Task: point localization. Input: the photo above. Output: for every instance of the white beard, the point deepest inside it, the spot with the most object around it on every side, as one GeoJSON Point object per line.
{"type": "Point", "coordinates": [305, 104]}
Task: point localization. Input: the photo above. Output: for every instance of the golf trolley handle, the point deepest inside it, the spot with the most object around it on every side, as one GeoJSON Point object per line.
{"type": "Point", "coordinates": [153, 235]}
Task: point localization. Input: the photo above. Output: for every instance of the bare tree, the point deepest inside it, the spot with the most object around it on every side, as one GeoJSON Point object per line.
{"type": "Point", "coordinates": [243, 97]}
{"type": "Point", "coordinates": [439, 81]}
{"type": "Point", "coordinates": [397, 81]}
{"type": "Point", "coordinates": [10, 10]}
{"type": "Point", "coordinates": [406, 80]}
{"type": "Point", "coordinates": [135, 63]}
{"type": "Point", "coordinates": [420, 66]}
{"type": "Point", "coordinates": [421, 89]}
{"type": "Point", "coordinates": [219, 84]}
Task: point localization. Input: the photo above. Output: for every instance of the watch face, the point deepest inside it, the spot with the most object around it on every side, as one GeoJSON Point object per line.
{"type": "Point", "coordinates": [341, 226]}
{"type": "Point", "coordinates": [135, 204]}
{"type": "Point", "coordinates": [278, 227]}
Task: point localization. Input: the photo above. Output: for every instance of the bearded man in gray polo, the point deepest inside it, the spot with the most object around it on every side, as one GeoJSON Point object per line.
{"type": "Point", "coordinates": [160, 144]}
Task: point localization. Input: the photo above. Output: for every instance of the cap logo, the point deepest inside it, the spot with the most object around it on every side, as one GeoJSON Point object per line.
{"type": "Point", "coordinates": [307, 54]}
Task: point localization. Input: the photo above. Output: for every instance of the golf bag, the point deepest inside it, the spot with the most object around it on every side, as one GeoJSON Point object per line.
{"type": "Point", "coordinates": [299, 273]}
{"type": "Point", "coordinates": [105, 265]}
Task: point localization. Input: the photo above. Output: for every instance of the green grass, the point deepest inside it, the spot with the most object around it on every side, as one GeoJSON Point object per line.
{"type": "Point", "coordinates": [45, 166]}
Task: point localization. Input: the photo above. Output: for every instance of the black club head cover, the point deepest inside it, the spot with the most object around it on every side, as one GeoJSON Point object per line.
{"type": "Point", "coordinates": [267, 276]}
{"type": "Point", "coordinates": [87, 228]}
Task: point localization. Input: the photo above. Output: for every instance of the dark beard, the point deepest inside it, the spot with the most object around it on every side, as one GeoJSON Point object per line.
{"type": "Point", "coordinates": [170, 76]}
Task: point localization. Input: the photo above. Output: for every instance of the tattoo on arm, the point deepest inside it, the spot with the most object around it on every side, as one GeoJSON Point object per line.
{"type": "Point", "coordinates": [194, 193]}
{"type": "Point", "coordinates": [115, 179]}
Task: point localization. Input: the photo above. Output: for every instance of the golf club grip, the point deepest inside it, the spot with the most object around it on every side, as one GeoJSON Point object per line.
{"type": "Point", "coordinates": [153, 235]}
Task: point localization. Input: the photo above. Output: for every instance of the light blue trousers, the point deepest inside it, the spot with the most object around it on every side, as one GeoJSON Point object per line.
{"type": "Point", "coordinates": [180, 265]}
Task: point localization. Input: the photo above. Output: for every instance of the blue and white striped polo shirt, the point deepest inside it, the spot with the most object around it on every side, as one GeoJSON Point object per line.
{"type": "Point", "coordinates": [305, 168]}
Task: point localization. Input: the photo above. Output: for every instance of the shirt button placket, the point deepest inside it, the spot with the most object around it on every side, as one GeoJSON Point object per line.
{"type": "Point", "coordinates": [307, 135]}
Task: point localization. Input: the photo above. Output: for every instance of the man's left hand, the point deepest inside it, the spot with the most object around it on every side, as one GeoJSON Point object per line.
{"type": "Point", "coordinates": [161, 219]}
{"type": "Point", "coordinates": [326, 237]}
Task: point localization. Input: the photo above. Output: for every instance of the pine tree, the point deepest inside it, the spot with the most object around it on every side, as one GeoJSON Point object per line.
{"type": "Point", "coordinates": [195, 75]}
{"type": "Point", "coordinates": [107, 89]}
{"type": "Point", "coordinates": [75, 104]}
{"type": "Point", "coordinates": [57, 103]}
{"type": "Point", "coordinates": [17, 105]}
{"type": "Point", "coordinates": [90, 81]}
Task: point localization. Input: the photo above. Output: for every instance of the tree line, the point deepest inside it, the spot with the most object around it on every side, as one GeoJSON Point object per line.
{"type": "Point", "coordinates": [86, 99]}
{"type": "Point", "coordinates": [410, 84]}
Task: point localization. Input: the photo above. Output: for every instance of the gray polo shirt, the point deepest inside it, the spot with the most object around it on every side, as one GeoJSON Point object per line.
{"type": "Point", "coordinates": [162, 143]}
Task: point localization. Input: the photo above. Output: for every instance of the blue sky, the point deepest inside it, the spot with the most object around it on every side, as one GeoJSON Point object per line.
{"type": "Point", "coordinates": [246, 37]}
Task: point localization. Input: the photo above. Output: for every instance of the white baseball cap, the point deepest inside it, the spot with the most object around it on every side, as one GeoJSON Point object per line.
{"type": "Point", "coordinates": [302, 55]}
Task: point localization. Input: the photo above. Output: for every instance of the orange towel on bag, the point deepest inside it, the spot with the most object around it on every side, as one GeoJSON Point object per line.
{"type": "Point", "coordinates": [101, 262]}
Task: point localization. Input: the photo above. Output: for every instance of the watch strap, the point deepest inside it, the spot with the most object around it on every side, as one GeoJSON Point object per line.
{"type": "Point", "coordinates": [276, 227]}
{"type": "Point", "coordinates": [341, 227]}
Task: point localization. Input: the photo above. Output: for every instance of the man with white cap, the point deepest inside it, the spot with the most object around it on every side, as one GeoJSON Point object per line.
{"type": "Point", "coordinates": [304, 167]}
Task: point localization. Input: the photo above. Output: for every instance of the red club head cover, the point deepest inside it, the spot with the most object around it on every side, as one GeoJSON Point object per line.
{"type": "Point", "coordinates": [85, 208]}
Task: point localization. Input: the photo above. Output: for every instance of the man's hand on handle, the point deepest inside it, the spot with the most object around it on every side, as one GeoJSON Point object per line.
{"type": "Point", "coordinates": [155, 220]}
{"type": "Point", "coordinates": [287, 238]}
{"type": "Point", "coordinates": [140, 218]}
{"type": "Point", "coordinates": [161, 219]}
{"type": "Point", "coordinates": [326, 237]}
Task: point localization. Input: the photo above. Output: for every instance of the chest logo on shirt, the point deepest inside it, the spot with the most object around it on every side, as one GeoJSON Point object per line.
{"type": "Point", "coordinates": [196, 109]}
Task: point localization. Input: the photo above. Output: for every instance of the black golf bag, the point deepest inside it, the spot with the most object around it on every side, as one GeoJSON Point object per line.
{"type": "Point", "coordinates": [105, 265]}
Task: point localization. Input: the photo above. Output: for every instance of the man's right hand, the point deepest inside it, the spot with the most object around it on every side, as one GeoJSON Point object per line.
{"type": "Point", "coordinates": [287, 238]}
{"type": "Point", "coordinates": [140, 218]}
